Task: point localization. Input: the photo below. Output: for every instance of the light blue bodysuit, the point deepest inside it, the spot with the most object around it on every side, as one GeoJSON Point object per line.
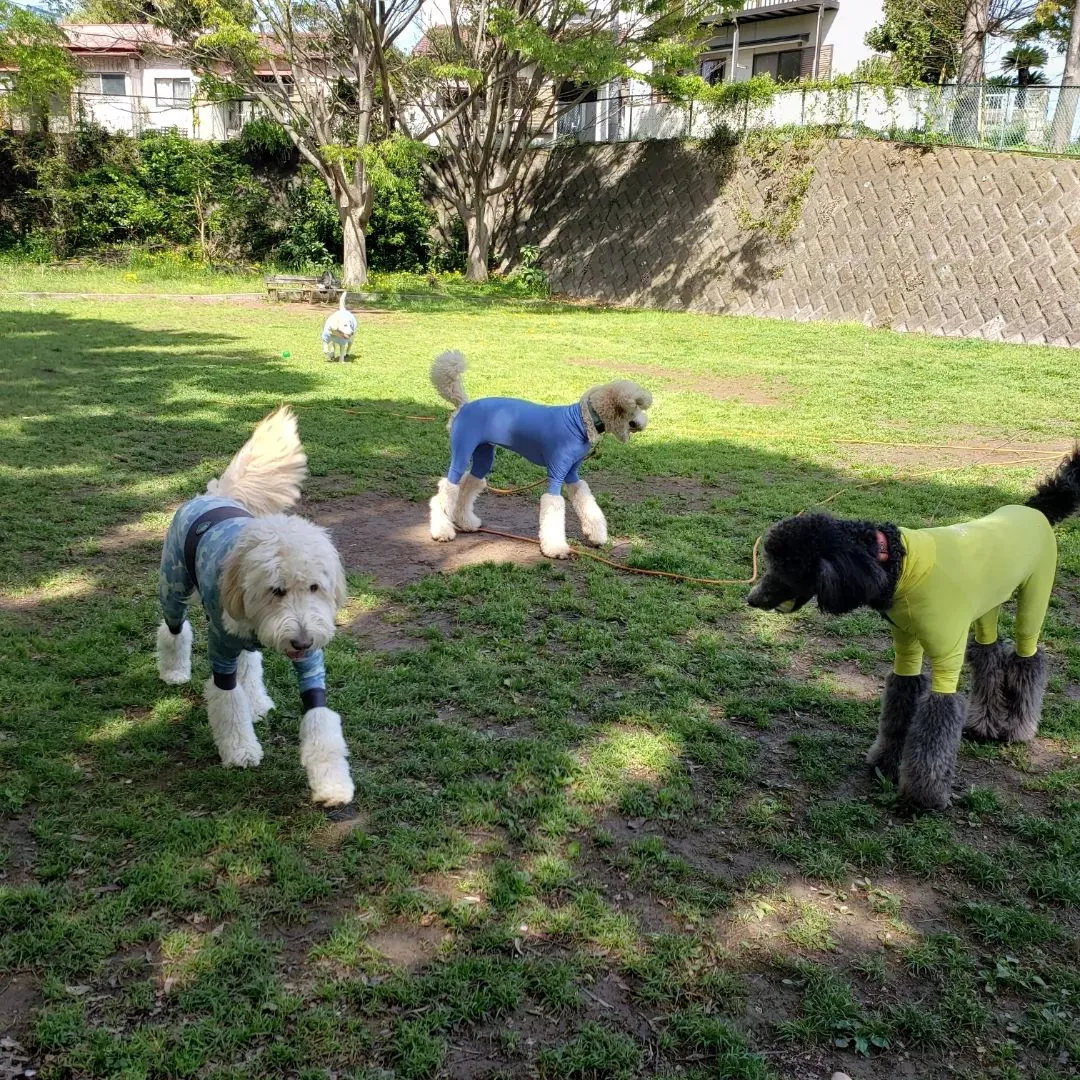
{"type": "Point", "coordinates": [553, 436]}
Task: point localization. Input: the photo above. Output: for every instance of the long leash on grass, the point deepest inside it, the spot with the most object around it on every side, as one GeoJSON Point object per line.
{"type": "Point", "coordinates": [690, 579]}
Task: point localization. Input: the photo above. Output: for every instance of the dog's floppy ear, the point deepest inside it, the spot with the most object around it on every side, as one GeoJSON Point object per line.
{"type": "Point", "coordinates": [340, 585]}
{"type": "Point", "coordinates": [231, 587]}
{"type": "Point", "coordinates": [847, 580]}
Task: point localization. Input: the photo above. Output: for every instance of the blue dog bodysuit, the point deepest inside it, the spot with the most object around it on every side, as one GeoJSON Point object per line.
{"type": "Point", "coordinates": [199, 540]}
{"type": "Point", "coordinates": [553, 436]}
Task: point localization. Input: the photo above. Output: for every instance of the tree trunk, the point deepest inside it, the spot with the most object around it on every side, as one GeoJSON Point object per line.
{"type": "Point", "coordinates": [479, 229]}
{"type": "Point", "coordinates": [965, 122]}
{"type": "Point", "coordinates": [1065, 112]}
{"type": "Point", "coordinates": [356, 264]}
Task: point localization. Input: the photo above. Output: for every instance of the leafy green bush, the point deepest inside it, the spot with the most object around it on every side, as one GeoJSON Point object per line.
{"type": "Point", "coordinates": [231, 203]}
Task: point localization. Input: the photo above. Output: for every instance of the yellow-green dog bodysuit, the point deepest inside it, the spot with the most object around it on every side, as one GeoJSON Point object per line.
{"type": "Point", "coordinates": [961, 574]}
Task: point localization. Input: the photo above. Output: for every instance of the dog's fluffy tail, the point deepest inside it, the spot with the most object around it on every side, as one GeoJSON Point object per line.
{"type": "Point", "coordinates": [265, 476]}
{"type": "Point", "coordinates": [1058, 496]}
{"type": "Point", "coordinates": [446, 374]}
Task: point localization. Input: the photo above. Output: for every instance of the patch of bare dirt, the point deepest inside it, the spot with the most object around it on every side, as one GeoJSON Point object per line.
{"type": "Point", "coordinates": [681, 492]}
{"type": "Point", "coordinates": [408, 946]}
{"type": "Point", "coordinates": [19, 997]}
{"type": "Point", "coordinates": [388, 538]}
{"type": "Point", "coordinates": [21, 850]}
{"type": "Point", "coordinates": [745, 389]}
{"type": "Point", "coordinates": [977, 450]}
{"type": "Point", "coordinates": [391, 630]}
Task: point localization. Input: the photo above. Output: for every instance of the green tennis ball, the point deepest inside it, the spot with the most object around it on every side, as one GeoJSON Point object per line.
{"type": "Point", "coordinates": [286, 354]}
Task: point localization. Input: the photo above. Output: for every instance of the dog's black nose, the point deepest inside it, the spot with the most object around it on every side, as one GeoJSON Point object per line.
{"type": "Point", "coordinates": [300, 644]}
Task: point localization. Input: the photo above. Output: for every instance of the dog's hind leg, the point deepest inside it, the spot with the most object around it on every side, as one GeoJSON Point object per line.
{"type": "Point", "coordinates": [443, 508]}
{"type": "Point", "coordinates": [249, 676]}
{"type": "Point", "coordinates": [987, 716]}
{"type": "Point", "coordinates": [465, 519]}
{"type": "Point", "coordinates": [232, 725]}
{"type": "Point", "coordinates": [1023, 684]}
{"type": "Point", "coordinates": [174, 654]}
{"type": "Point", "coordinates": [472, 483]}
{"type": "Point", "coordinates": [929, 758]}
{"type": "Point", "coordinates": [593, 522]}
{"type": "Point", "coordinates": [903, 696]}
{"type": "Point", "coordinates": [553, 526]}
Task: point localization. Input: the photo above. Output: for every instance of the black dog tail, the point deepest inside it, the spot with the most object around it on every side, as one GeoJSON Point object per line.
{"type": "Point", "coordinates": [1058, 496]}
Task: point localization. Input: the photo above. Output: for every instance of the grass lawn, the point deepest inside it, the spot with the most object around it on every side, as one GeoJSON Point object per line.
{"type": "Point", "coordinates": [609, 826]}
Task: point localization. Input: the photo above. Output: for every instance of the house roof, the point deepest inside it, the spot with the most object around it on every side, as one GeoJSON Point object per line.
{"type": "Point", "coordinates": [116, 38]}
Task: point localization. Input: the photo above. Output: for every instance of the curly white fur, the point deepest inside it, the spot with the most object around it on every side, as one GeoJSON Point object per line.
{"type": "Point", "coordinates": [249, 676]}
{"type": "Point", "coordinates": [442, 508]}
{"type": "Point", "coordinates": [174, 654]}
{"type": "Point", "coordinates": [553, 527]}
{"type": "Point", "coordinates": [324, 755]}
{"type": "Point", "coordinates": [464, 516]}
{"type": "Point", "coordinates": [267, 471]}
{"type": "Point", "coordinates": [446, 376]}
{"type": "Point", "coordinates": [593, 522]}
{"type": "Point", "coordinates": [267, 579]}
{"type": "Point", "coordinates": [232, 725]}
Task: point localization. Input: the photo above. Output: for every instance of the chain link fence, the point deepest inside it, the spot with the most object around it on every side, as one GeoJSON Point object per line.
{"type": "Point", "coordinates": [1042, 118]}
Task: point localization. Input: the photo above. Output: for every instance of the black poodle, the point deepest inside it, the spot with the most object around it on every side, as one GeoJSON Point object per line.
{"type": "Point", "coordinates": [933, 585]}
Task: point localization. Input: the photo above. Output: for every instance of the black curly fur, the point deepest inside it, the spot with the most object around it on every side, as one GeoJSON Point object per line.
{"type": "Point", "coordinates": [1058, 496]}
{"type": "Point", "coordinates": [832, 559]}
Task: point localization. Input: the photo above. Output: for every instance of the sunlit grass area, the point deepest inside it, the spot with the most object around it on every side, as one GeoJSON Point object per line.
{"type": "Point", "coordinates": [607, 826]}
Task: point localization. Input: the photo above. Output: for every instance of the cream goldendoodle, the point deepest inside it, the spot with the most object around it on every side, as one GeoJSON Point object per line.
{"type": "Point", "coordinates": [558, 437]}
{"type": "Point", "coordinates": [265, 578]}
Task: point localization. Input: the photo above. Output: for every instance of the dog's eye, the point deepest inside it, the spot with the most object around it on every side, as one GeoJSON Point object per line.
{"type": "Point", "coordinates": [314, 588]}
{"type": "Point", "coordinates": [278, 592]}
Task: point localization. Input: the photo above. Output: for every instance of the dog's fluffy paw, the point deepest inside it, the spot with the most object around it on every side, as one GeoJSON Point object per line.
{"type": "Point", "coordinates": [466, 522]}
{"type": "Point", "coordinates": [174, 654]}
{"type": "Point", "coordinates": [556, 551]}
{"type": "Point", "coordinates": [595, 532]}
{"type": "Point", "coordinates": [331, 784]}
{"type": "Point", "coordinates": [242, 755]}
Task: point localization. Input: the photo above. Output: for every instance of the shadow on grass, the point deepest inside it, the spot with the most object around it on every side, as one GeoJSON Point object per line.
{"type": "Point", "coordinates": [589, 784]}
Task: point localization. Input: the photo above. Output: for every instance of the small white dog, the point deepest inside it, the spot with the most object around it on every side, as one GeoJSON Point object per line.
{"type": "Point", "coordinates": [265, 578]}
{"type": "Point", "coordinates": [339, 332]}
{"type": "Point", "coordinates": [559, 437]}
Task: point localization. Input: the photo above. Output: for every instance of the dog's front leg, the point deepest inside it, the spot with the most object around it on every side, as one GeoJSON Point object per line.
{"type": "Point", "coordinates": [174, 654]}
{"type": "Point", "coordinates": [442, 507]}
{"type": "Point", "coordinates": [232, 724]}
{"type": "Point", "coordinates": [593, 522]}
{"type": "Point", "coordinates": [929, 758]}
{"type": "Point", "coordinates": [249, 676]}
{"type": "Point", "coordinates": [903, 696]}
{"type": "Point", "coordinates": [553, 526]}
{"type": "Point", "coordinates": [325, 757]}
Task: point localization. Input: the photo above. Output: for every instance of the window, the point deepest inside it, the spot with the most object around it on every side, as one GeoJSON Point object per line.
{"type": "Point", "coordinates": [172, 91]}
{"type": "Point", "coordinates": [108, 83]}
{"type": "Point", "coordinates": [713, 71]}
{"type": "Point", "coordinates": [782, 66]}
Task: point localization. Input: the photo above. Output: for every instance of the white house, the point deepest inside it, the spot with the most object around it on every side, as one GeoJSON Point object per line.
{"type": "Point", "coordinates": [133, 82]}
{"type": "Point", "coordinates": [790, 39]}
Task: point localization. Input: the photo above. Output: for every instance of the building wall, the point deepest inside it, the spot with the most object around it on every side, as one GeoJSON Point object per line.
{"type": "Point", "coordinates": [947, 241]}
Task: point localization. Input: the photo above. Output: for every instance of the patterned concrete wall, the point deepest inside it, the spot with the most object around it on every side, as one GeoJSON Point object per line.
{"type": "Point", "coordinates": [946, 241]}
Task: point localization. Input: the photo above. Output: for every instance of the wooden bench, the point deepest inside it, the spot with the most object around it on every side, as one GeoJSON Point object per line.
{"type": "Point", "coordinates": [297, 288]}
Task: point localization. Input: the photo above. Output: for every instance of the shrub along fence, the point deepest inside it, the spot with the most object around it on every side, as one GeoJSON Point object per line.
{"type": "Point", "coordinates": [241, 202]}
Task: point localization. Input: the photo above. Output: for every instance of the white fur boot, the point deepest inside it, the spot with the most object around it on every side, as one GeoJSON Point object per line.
{"type": "Point", "coordinates": [464, 518]}
{"type": "Point", "coordinates": [553, 526]}
{"type": "Point", "coordinates": [231, 723]}
{"type": "Point", "coordinates": [324, 755]}
{"type": "Point", "coordinates": [593, 522]}
{"type": "Point", "coordinates": [443, 506]}
{"type": "Point", "coordinates": [249, 677]}
{"type": "Point", "coordinates": [174, 654]}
